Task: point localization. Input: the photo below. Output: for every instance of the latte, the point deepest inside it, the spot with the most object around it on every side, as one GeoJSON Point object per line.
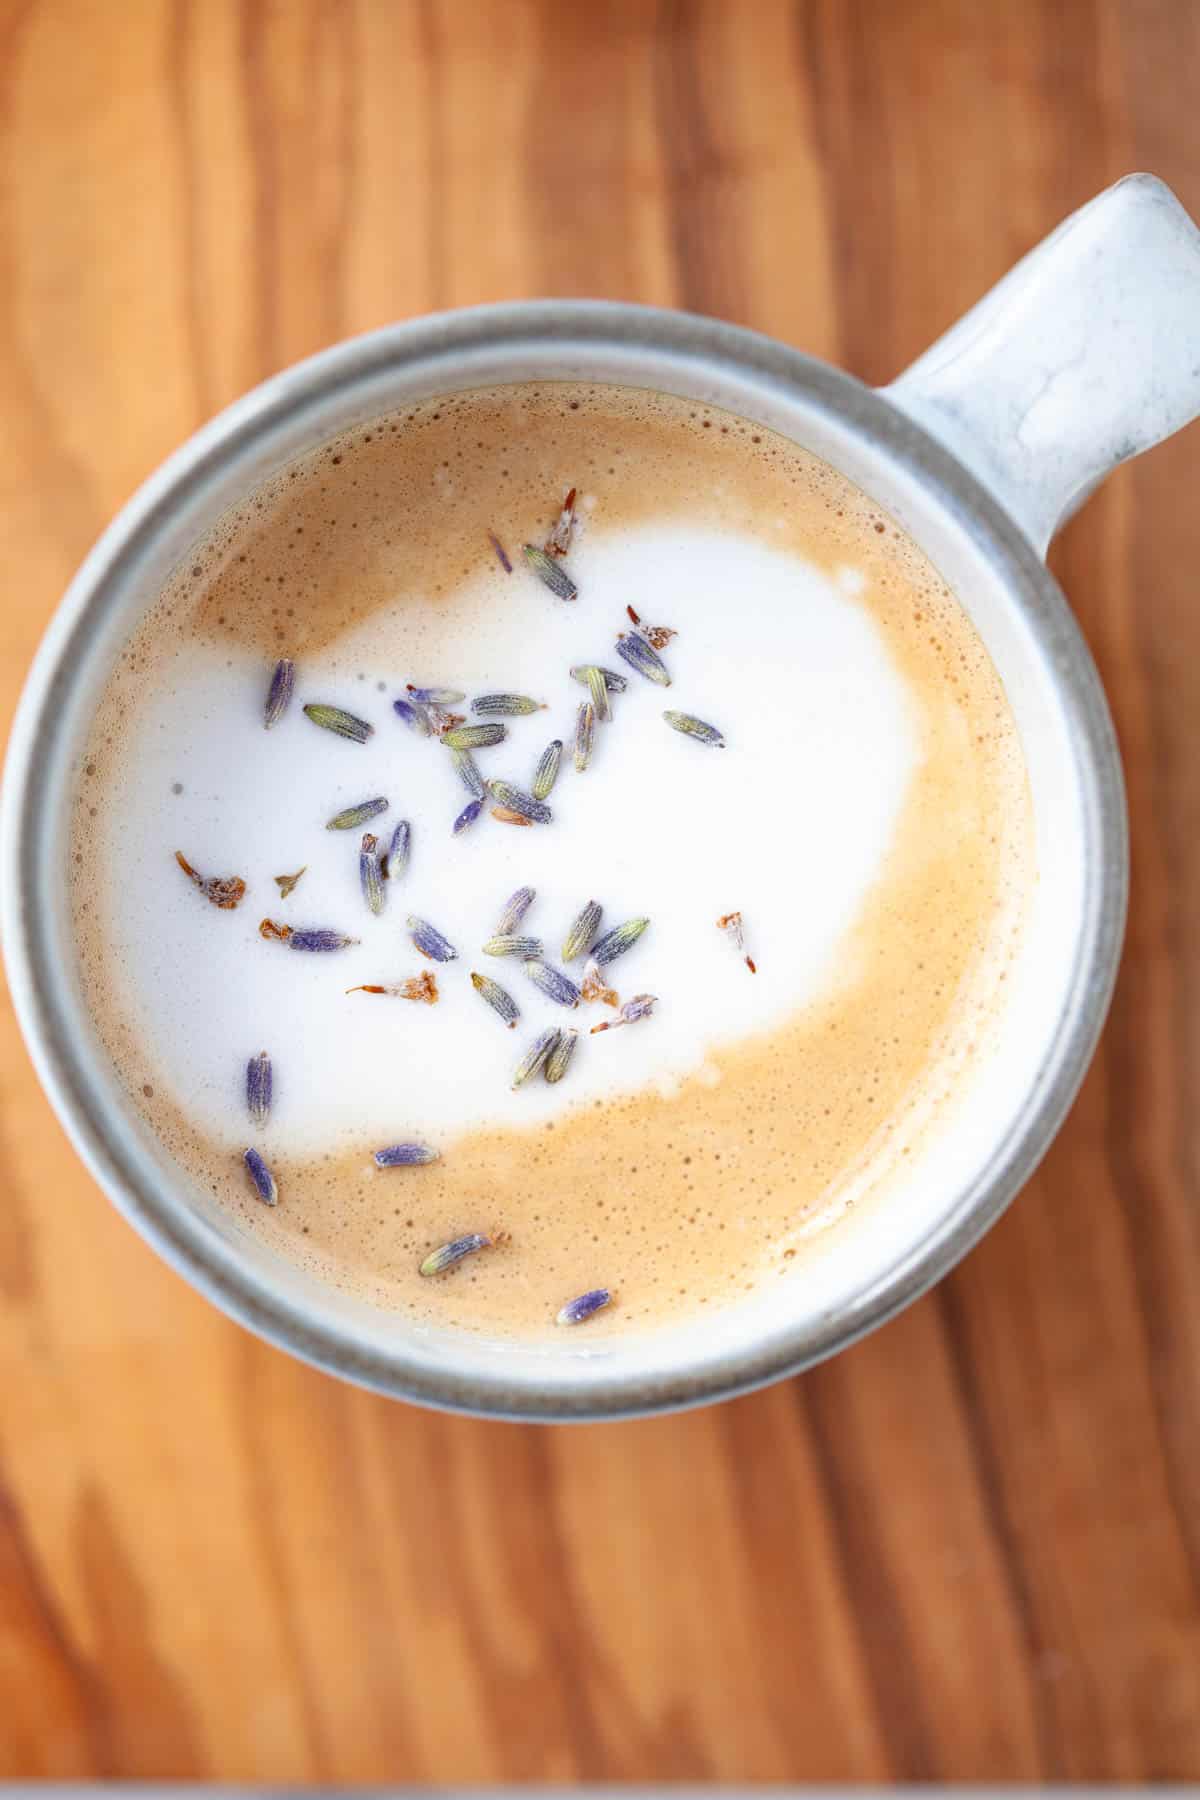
{"type": "Point", "coordinates": [831, 840]}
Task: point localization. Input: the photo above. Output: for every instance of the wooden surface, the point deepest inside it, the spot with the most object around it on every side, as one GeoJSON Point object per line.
{"type": "Point", "coordinates": [971, 1546]}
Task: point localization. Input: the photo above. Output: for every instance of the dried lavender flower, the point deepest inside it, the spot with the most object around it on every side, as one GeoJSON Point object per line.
{"type": "Point", "coordinates": [594, 985]}
{"type": "Point", "coordinates": [613, 681]}
{"type": "Point", "coordinates": [422, 987]}
{"type": "Point", "coordinates": [343, 724]}
{"type": "Point", "coordinates": [553, 983]}
{"type": "Point", "coordinates": [224, 891]}
{"type": "Point", "coordinates": [616, 942]}
{"type": "Point", "coordinates": [598, 690]}
{"type": "Point", "coordinates": [304, 937]}
{"type": "Point", "coordinates": [515, 908]}
{"type": "Point", "coordinates": [559, 1059]}
{"type": "Point", "coordinates": [633, 649]}
{"type": "Point", "coordinates": [579, 1310]}
{"type": "Point", "coordinates": [559, 541]}
{"type": "Point", "coordinates": [535, 1057]}
{"type": "Point", "coordinates": [405, 1156]}
{"type": "Point", "coordinates": [445, 1257]}
{"type": "Point", "coordinates": [370, 875]}
{"type": "Point", "coordinates": [657, 635]}
{"type": "Point", "coordinates": [414, 716]}
{"type": "Point", "coordinates": [508, 705]}
{"type": "Point", "coordinates": [468, 815]}
{"type": "Point", "coordinates": [468, 773]}
{"type": "Point", "coordinates": [434, 696]}
{"type": "Point", "coordinates": [507, 816]}
{"type": "Point", "coordinates": [262, 1178]}
{"type": "Point", "coordinates": [473, 737]}
{"type": "Point", "coordinates": [585, 726]}
{"type": "Point", "coordinates": [501, 552]}
{"type": "Point", "coordinates": [583, 930]}
{"type": "Point", "coordinates": [429, 941]}
{"type": "Point", "coordinates": [506, 943]}
{"type": "Point", "coordinates": [546, 773]}
{"type": "Point", "coordinates": [279, 694]}
{"type": "Point", "coordinates": [498, 998]}
{"type": "Point", "coordinates": [351, 817]}
{"type": "Point", "coordinates": [551, 572]}
{"type": "Point", "coordinates": [518, 801]}
{"type": "Point", "coordinates": [318, 939]}
{"type": "Point", "coordinates": [285, 883]}
{"type": "Point", "coordinates": [395, 860]}
{"type": "Point", "coordinates": [695, 728]}
{"type": "Point", "coordinates": [731, 924]}
{"type": "Point", "coordinates": [259, 1087]}
{"type": "Point", "coordinates": [640, 1007]}
{"type": "Point", "coordinates": [441, 721]}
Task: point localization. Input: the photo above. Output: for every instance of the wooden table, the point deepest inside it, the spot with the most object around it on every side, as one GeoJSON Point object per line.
{"type": "Point", "coordinates": [971, 1546]}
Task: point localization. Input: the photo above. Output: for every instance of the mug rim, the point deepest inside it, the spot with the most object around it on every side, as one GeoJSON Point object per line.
{"type": "Point", "coordinates": [213, 1267]}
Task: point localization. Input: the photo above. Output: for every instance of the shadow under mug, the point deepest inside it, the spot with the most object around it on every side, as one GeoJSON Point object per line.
{"type": "Point", "coordinates": [1087, 353]}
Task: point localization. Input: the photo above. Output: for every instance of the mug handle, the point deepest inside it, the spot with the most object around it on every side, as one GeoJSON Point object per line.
{"type": "Point", "coordinates": [1083, 355]}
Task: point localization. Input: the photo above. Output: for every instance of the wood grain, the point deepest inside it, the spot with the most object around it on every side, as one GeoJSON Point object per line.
{"type": "Point", "coordinates": [971, 1546]}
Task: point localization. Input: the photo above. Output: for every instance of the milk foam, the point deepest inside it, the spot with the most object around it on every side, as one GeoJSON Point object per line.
{"type": "Point", "coordinates": [790, 824]}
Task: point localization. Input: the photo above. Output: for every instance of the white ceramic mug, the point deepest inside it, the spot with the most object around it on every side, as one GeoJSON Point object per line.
{"type": "Point", "coordinates": [1088, 352]}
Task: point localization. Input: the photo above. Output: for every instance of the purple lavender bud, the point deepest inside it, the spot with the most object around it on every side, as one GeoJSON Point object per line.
{"type": "Point", "coordinates": [405, 1156]}
{"type": "Point", "coordinates": [640, 1007]}
{"type": "Point", "coordinates": [438, 1261]}
{"type": "Point", "coordinates": [412, 716]}
{"type": "Point", "coordinates": [398, 849]}
{"type": "Point", "coordinates": [336, 719]}
{"type": "Point", "coordinates": [370, 874]}
{"type": "Point", "coordinates": [498, 998]}
{"type": "Point", "coordinates": [585, 731]}
{"type": "Point", "coordinates": [559, 1059]}
{"type": "Point", "coordinates": [616, 942]}
{"type": "Point", "coordinates": [320, 939]}
{"type": "Point", "coordinates": [468, 773]}
{"type": "Point", "coordinates": [546, 773]}
{"type": "Point", "coordinates": [512, 706]}
{"type": "Point", "coordinates": [259, 1086]}
{"type": "Point", "coordinates": [535, 1057]}
{"type": "Point", "coordinates": [582, 931]}
{"type": "Point", "coordinates": [700, 729]}
{"type": "Point", "coordinates": [551, 572]}
{"type": "Point", "coordinates": [261, 1176]}
{"type": "Point", "coordinates": [474, 737]}
{"type": "Point", "coordinates": [577, 1312]}
{"type": "Point", "coordinates": [553, 983]}
{"type": "Point", "coordinates": [279, 694]}
{"type": "Point", "coordinates": [434, 696]}
{"type": "Point", "coordinates": [515, 908]}
{"type": "Point", "coordinates": [633, 648]}
{"type": "Point", "coordinates": [518, 801]}
{"type": "Point", "coordinates": [429, 941]}
{"type": "Point", "coordinates": [351, 817]}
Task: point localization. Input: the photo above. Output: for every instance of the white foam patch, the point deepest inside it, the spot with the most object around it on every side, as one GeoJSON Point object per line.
{"type": "Point", "coordinates": [790, 824]}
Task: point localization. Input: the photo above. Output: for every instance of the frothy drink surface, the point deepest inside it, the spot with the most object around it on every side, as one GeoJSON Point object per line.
{"type": "Point", "coordinates": [869, 818]}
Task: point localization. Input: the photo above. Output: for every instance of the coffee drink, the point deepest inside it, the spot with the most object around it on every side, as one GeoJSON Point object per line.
{"type": "Point", "coordinates": [824, 817]}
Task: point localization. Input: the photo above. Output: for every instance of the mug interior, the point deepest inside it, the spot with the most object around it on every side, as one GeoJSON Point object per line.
{"type": "Point", "coordinates": [1011, 1100]}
